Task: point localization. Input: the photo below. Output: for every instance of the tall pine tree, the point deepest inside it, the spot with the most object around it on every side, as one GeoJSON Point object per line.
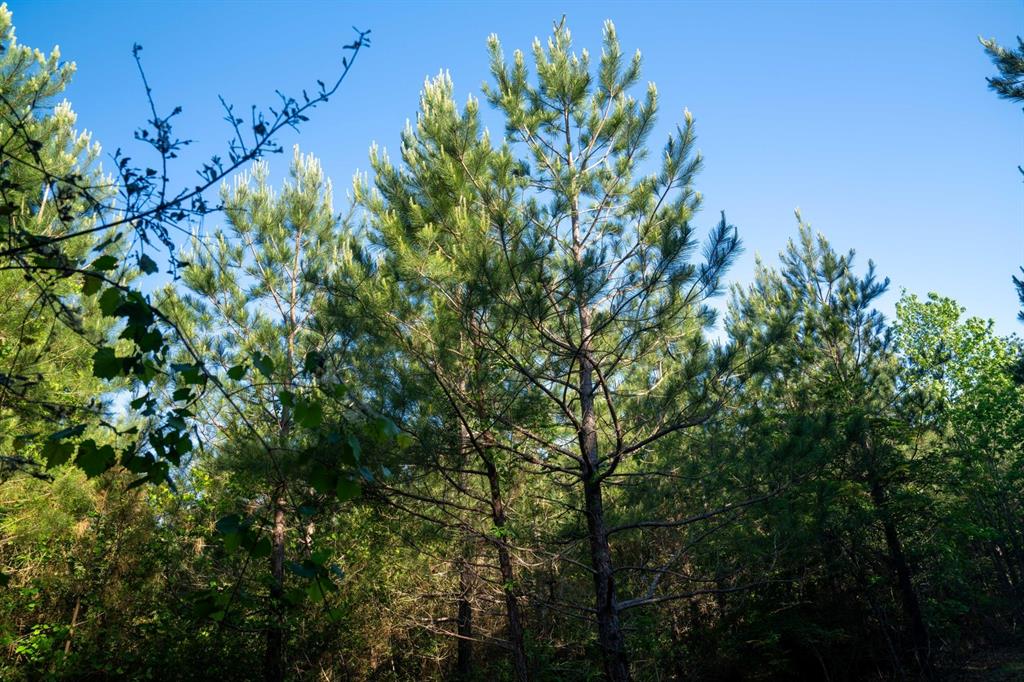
{"type": "Point", "coordinates": [590, 304]}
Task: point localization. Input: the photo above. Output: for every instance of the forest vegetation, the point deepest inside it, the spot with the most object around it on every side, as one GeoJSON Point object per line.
{"type": "Point", "coordinates": [499, 417]}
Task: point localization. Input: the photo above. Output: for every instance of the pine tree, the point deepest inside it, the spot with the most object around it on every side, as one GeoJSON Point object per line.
{"type": "Point", "coordinates": [585, 299]}
{"type": "Point", "coordinates": [837, 361]}
{"type": "Point", "coordinates": [48, 326]}
{"type": "Point", "coordinates": [251, 302]}
{"type": "Point", "coordinates": [1009, 84]}
{"type": "Point", "coordinates": [426, 297]}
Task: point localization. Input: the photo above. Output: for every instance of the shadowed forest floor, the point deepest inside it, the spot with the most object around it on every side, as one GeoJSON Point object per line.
{"type": "Point", "coordinates": [997, 664]}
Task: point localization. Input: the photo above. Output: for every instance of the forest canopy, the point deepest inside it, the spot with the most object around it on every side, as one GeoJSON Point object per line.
{"type": "Point", "coordinates": [494, 412]}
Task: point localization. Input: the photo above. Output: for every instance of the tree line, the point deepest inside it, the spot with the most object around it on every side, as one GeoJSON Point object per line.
{"type": "Point", "coordinates": [498, 417]}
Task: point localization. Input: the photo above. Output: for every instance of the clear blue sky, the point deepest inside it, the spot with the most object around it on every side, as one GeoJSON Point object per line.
{"type": "Point", "coordinates": [872, 117]}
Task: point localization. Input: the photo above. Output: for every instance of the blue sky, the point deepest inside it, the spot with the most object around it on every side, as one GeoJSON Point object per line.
{"type": "Point", "coordinates": [872, 117]}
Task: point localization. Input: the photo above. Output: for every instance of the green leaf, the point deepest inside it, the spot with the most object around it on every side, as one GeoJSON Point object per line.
{"type": "Point", "coordinates": [69, 432]}
{"type": "Point", "coordinates": [263, 364]}
{"type": "Point", "coordinates": [229, 524]}
{"type": "Point", "coordinates": [23, 439]}
{"type": "Point", "coordinates": [383, 429]}
{"type": "Point", "coordinates": [93, 459]}
{"type": "Point", "coordinates": [306, 569]}
{"type": "Point", "coordinates": [346, 489]}
{"type": "Point", "coordinates": [287, 398]}
{"type": "Point", "coordinates": [150, 341]}
{"type": "Point", "coordinates": [205, 605]}
{"type": "Point", "coordinates": [189, 374]}
{"type": "Point", "coordinates": [350, 450]}
{"type": "Point", "coordinates": [110, 301]}
{"type": "Point", "coordinates": [106, 365]}
{"type": "Point", "coordinates": [322, 479]}
{"type": "Point", "coordinates": [313, 361]}
{"type": "Point", "coordinates": [236, 373]}
{"type": "Point", "coordinates": [295, 596]}
{"type": "Point", "coordinates": [184, 444]}
{"type": "Point", "coordinates": [261, 549]}
{"type": "Point", "coordinates": [90, 285]}
{"type": "Point", "coordinates": [147, 371]}
{"type": "Point", "coordinates": [316, 592]}
{"type": "Point", "coordinates": [57, 453]}
{"type": "Point", "coordinates": [147, 264]}
{"type": "Point", "coordinates": [137, 464]}
{"type": "Point", "coordinates": [104, 263]}
{"type": "Point", "coordinates": [309, 413]}
{"type": "Point", "coordinates": [232, 542]}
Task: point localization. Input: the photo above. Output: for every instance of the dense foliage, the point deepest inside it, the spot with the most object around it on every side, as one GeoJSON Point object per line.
{"type": "Point", "coordinates": [488, 422]}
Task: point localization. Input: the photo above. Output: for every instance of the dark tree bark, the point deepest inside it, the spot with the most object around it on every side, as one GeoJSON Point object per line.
{"type": "Point", "coordinates": [904, 575]}
{"type": "Point", "coordinates": [609, 627]}
{"type": "Point", "coordinates": [464, 623]}
{"type": "Point", "coordinates": [513, 614]}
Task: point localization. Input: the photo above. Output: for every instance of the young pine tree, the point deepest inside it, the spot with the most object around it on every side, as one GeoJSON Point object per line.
{"type": "Point", "coordinates": [836, 369]}
{"type": "Point", "coordinates": [251, 300]}
{"type": "Point", "coordinates": [586, 300]}
{"type": "Point", "coordinates": [48, 327]}
{"type": "Point", "coordinates": [430, 289]}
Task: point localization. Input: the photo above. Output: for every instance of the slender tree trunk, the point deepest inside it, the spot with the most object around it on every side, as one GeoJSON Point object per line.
{"type": "Point", "coordinates": [904, 578]}
{"type": "Point", "coordinates": [74, 624]}
{"type": "Point", "coordinates": [274, 666]}
{"type": "Point", "coordinates": [464, 623]}
{"type": "Point", "coordinates": [464, 618]}
{"type": "Point", "coordinates": [609, 628]}
{"type": "Point", "coordinates": [274, 662]}
{"type": "Point", "coordinates": [508, 587]}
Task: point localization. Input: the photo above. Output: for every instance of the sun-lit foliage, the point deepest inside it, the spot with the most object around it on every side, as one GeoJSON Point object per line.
{"type": "Point", "coordinates": [483, 421]}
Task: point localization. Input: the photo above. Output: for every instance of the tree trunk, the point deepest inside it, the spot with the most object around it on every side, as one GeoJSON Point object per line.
{"type": "Point", "coordinates": [609, 629]}
{"type": "Point", "coordinates": [904, 579]}
{"type": "Point", "coordinates": [273, 665]}
{"type": "Point", "coordinates": [74, 624]}
{"type": "Point", "coordinates": [464, 617]}
{"type": "Point", "coordinates": [464, 623]}
{"type": "Point", "coordinates": [508, 587]}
